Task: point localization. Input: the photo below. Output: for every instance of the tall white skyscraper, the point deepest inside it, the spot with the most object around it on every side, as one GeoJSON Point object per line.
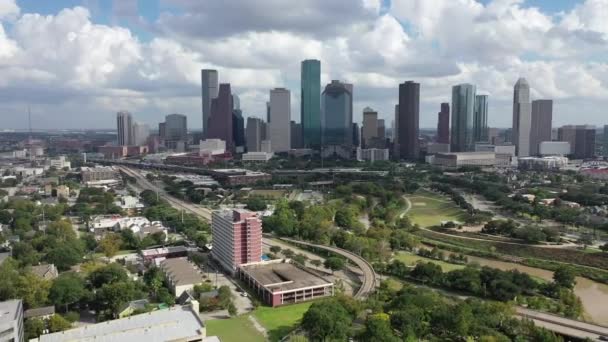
{"type": "Point", "coordinates": [141, 132]}
{"type": "Point", "coordinates": [124, 128]}
{"type": "Point", "coordinates": [279, 116]}
{"type": "Point", "coordinates": [522, 118]}
{"type": "Point", "coordinates": [209, 91]}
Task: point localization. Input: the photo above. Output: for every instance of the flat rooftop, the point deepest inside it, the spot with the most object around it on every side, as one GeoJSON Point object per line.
{"type": "Point", "coordinates": [9, 311]}
{"type": "Point", "coordinates": [278, 277]}
{"type": "Point", "coordinates": [172, 324]}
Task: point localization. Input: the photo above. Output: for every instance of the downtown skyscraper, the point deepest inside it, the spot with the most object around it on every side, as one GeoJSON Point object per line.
{"type": "Point", "coordinates": [541, 124]}
{"type": "Point", "coordinates": [124, 128]}
{"type": "Point", "coordinates": [279, 120]}
{"type": "Point", "coordinates": [463, 114]}
{"type": "Point", "coordinates": [220, 120]}
{"type": "Point", "coordinates": [522, 112]}
{"type": "Point", "coordinates": [310, 103]}
{"type": "Point", "coordinates": [443, 124]}
{"type": "Point", "coordinates": [337, 114]}
{"type": "Point", "coordinates": [480, 119]}
{"type": "Point", "coordinates": [209, 91]}
{"type": "Point", "coordinates": [408, 120]}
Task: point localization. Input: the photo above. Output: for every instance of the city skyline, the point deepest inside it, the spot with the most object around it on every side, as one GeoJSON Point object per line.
{"type": "Point", "coordinates": [160, 71]}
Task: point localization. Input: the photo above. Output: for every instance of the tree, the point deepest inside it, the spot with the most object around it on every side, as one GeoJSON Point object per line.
{"type": "Point", "coordinates": [604, 247]}
{"type": "Point", "coordinates": [300, 259]}
{"type": "Point", "coordinates": [327, 320]}
{"type": "Point", "coordinates": [316, 262]}
{"type": "Point", "coordinates": [111, 297]}
{"type": "Point", "coordinates": [110, 244]}
{"type": "Point", "coordinates": [33, 289]}
{"type": "Point", "coordinates": [67, 289]}
{"type": "Point", "coordinates": [378, 328]}
{"type": "Point", "coordinates": [288, 253]}
{"type": "Point", "coordinates": [282, 222]}
{"type": "Point", "coordinates": [154, 278]}
{"type": "Point", "coordinates": [427, 272]}
{"type": "Point", "coordinates": [232, 309]}
{"type": "Point", "coordinates": [334, 263]}
{"type": "Point", "coordinates": [256, 203]}
{"type": "Point", "coordinates": [164, 296]}
{"type": "Point", "coordinates": [33, 328]}
{"type": "Point", "coordinates": [564, 277]}
{"type": "Point", "coordinates": [108, 274]}
{"type": "Point", "coordinates": [275, 249]}
{"type": "Point", "coordinates": [58, 323]}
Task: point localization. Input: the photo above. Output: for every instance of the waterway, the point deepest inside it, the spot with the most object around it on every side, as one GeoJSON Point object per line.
{"type": "Point", "coordinates": [593, 295]}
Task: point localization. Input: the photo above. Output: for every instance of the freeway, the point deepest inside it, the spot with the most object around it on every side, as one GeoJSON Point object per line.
{"type": "Point", "coordinates": [144, 183]}
{"type": "Point", "coordinates": [369, 276]}
{"type": "Point", "coordinates": [564, 326]}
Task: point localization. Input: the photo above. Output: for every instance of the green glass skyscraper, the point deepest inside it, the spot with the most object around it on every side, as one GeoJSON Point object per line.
{"type": "Point", "coordinates": [310, 104]}
{"type": "Point", "coordinates": [463, 112]}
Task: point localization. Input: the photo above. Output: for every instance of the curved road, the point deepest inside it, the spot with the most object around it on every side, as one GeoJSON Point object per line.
{"type": "Point", "coordinates": [369, 276]}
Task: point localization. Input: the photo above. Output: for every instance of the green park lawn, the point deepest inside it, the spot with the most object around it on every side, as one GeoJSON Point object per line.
{"type": "Point", "coordinates": [412, 259]}
{"type": "Point", "coordinates": [234, 329]}
{"type": "Point", "coordinates": [430, 209]}
{"type": "Point", "coordinates": [280, 321]}
{"type": "Point", "coordinates": [277, 321]}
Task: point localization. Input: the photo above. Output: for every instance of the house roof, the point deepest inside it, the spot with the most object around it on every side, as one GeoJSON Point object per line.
{"type": "Point", "coordinates": [181, 271]}
{"type": "Point", "coordinates": [38, 312]}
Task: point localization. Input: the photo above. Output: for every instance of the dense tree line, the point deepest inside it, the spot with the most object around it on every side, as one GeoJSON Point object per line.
{"type": "Point", "coordinates": [491, 283]}
{"type": "Point", "coordinates": [414, 314]}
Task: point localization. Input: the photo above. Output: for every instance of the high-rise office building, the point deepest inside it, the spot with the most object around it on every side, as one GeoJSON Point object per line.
{"type": "Point", "coordinates": [337, 114]}
{"type": "Point", "coordinates": [381, 130]}
{"type": "Point", "coordinates": [369, 130]}
{"type": "Point", "coordinates": [605, 142]}
{"type": "Point", "coordinates": [237, 238]}
{"type": "Point", "coordinates": [480, 119]}
{"type": "Point", "coordinates": [540, 126]}
{"type": "Point", "coordinates": [124, 128]}
{"type": "Point", "coordinates": [220, 120]}
{"type": "Point", "coordinates": [581, 139]}
{"type": "Point", "coordinates": [296, 135]}
{"type": "Point", "coordinates": [280, 120]}
{"type": "Point", "coordinates": [463, 112]}
{"type": "Point", "coordinates": [176, 130]}
{"type": "Point", "coordinates": [443, 124]}
{"type": "Point", "coordinates": [409, 113]}
{"type": "Point", "coordinates": [209, 91]}
{"type": "Point", "coordinates": [310, 103]}
{"type": "Point", "coordinates": [255, 134]}
{"type": "Point", "coordinates": [162, 130]}
{"type": "Point", "coordinates": [522, 112]}
{"type": "Point", "coordinates": [356, 135]}
{"type": "Point", "coordinates": [238, 129]}
{"type": "Point", "coordinates": [141, 132]}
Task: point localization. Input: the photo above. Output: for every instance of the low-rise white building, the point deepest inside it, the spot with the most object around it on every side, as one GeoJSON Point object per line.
{"type": "Point", "coordinates": [544, 163]}
{"type": "Point", "coordinates": [212, 146]}
{"type": "Point", "coordinates": [140, 226]}
{"type": "Point", "coordinates": [372, 154]}
{"type": "Point", "coordinates": [458, 159]}
{"type": "Point", "coordinates": [554, 148]}
{"type": "Point", "coordinates": [257, 156]}
{"type": "Point", "coordinates": [60, 163]}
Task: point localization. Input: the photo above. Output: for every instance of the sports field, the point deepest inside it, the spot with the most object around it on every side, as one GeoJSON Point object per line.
{"type": "Point", "coordinates": [430, 209]}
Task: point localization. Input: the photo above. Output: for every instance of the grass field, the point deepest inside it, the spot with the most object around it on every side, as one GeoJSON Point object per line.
{"type": "Point", "coordinates": [235, 329]}
{"type": "Point", "coordinates": [277, 321]}
{"type": "Point", "coordinates": [430, 209]}
{"type": "Point", "coordinates": [412, 259]}
{"type": "Point", "coordinates": [280, 321]}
